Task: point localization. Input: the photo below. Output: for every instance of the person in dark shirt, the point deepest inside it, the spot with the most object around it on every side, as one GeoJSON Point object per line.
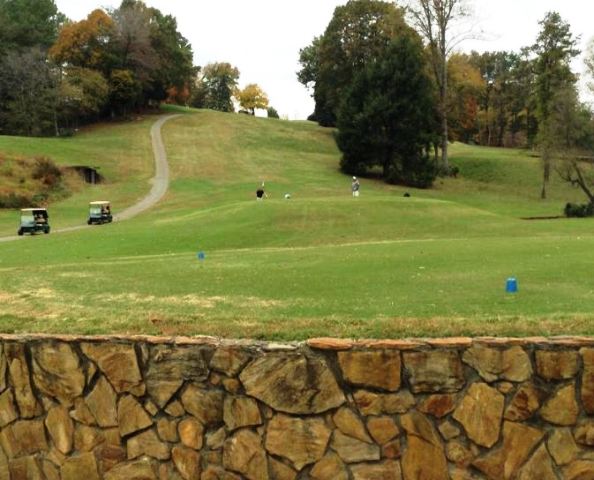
{"type": "Point", "coordinates": [260, 193]}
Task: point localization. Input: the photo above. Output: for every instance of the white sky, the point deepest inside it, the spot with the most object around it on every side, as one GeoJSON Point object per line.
{"type": "Point", "coordinates": [263, 37]}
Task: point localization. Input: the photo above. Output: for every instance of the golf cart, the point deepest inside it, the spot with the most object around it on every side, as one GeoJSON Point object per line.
{"type": "Point", "coordinates": [34, 220]}
{"type": "Point", "coordinates": [99, 213]}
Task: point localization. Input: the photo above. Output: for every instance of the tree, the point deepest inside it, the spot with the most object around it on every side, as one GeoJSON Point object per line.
{"type": "Point", "coordinates": [466, 86]}
{"type": "Point", "coordinates": [252, 97]}
{"type": "Point", "coordinates": [28, 23]}
{"type": "Point", "coordinates": [358, 33]}
{"type": "Point", "coordinates": [86, 43]}
{"type": "Point", "coordinates": [555, 47]}
{"type": "Point", "coordinates": [434, 20]}
{"type": "Point", "coordinates": [82, 93]}
{"type": "Point", "coordinates": [28, 93]}
{"type": "Point", "coordinates": [216, 86]}
{"type": "Point", "coordinates": [387, 117]}
{"type": "Point", "coordinates": [272, 113]}
{"type": "Point", "coordinates": [590, 63]}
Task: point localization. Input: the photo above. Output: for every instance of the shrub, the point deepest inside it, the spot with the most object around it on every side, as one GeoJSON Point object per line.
{"type": "Point", "coordinates": [47, 171]}
{"type": "Point", "coordinates": [576, 210]}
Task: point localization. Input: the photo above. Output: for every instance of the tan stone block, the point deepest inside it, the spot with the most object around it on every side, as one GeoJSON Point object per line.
{"type": "Point", "coordinates": [82, 414]}
{"type": "Point", "coordinates": [167, 430]}
{"type": "Point", "coordinates": [448, 430]}
{"type": "Point", "coordinates": [392, 450]}
{"type": "Point", "coordinates": [587, 390]}
{"type": "Point", "coordinates": [371, 403]}
{"type": "Point", "coordinates": [375, 368]}
{"type": "Point", "coordinates": [330, 467]}
{"type": "Point", "coordinates": [243, 453]}
{"type": "Point", "coordinates": [493, 364]}
{"type": "Point", "coordinates": [61, 429]}
{"type": "Point", "coordinates": [389, 470]}
{"type": "Point", "coordinates": [459, 454]}
{"type": "Point", "coordinates": [175, 409]}
{"type": "Point", "coordinates": [147, 443]}
{"type": "Point", "coordinates": [119, 364]}
{"type": "Point", "coordinates": [525, 403]}
{"type": "Point", "coordinates": [434, 371]}
{"type": "Point", "coordinates": [112, 436]}
{"type": "Point", "coordinates": [438, 405]}
{"type": "Point", "coordinates": [151, 408]}
{"type": "Point", "coordinates": [205, 405]}
{"type": "Point", "coordinates": [109, 456]}
{"type": "Point", "coordinates": [302, 441]}
{"type": "Point", "coordinates": [229, 360]}
{"type": "Point", "coordinates": [215, 440]}
{"type": "Point", "coordinates": [292, 383]}
{"type": "Point", "coordinates": [24, 437]}
{"type": "Point", "coordinates": [280, 471]}
{"type": "Point", "coordinates": [8, 413]}
{"type": "Point", "coordinates": [131, 416]}
{"type": "Point", "coordinates": [480, 413]}
{"type": "Point", "coordinates": [556, 365]}
{"type": "Point", "coordinates": [57, 371]}
{"type": "Point", "coordinates": [232, 385]}
{"type": "Point", "coordinates": [505, 387]}
{"type": "Point", "coordinates": [351, 450]}
{"type": "Point", "coordinates": [101, 402]}
{"type": "Point", "coordinates": [25, 468]}
{"type": "Point", "coordinates": [335, 344]}
{"type": "Point", "coordinates": [382, 429]}
{"type": "Point", "coordinates": [239, 412]}
{"type": "Point", "coordinates": [217, 473]}
{"type": "Point", "coordinates": [137, 470]}
{"type": "Point", "coordinates": [170, 366]}
{"type": "Point", "coordinates": [49, 470]}
{"type": "Point", "coordinates": [349, 423]}
{"type": "Point", "coordinates": [4, 472]}
{"type": "Point", "coordinates": [584, 433]}
{"type": "Point", "coordinates": [3, 366]}
{"type": "Point", "coordinates": [562, 446]}
{"type": "Point", "coordinates": [540, 466]}
{"type": "Point", "coordinates": [20, 380]}
{"type": "Point", "coordinates": [187, 462]}
{"type": "Point", "coordinates": [562, 408]}
{"type": "Point", "coordinates": [83, 466]}
{"type": "Point", "coordinates": [579, 470]}
{"type": "Point", "coordinates": [191, 433]}
{"type": "Point", "coordinates": [424, 455]}
{"type": "Point", "coordinates": [87, 438]}
{"type": "Point", "coordinates": [503, 463]}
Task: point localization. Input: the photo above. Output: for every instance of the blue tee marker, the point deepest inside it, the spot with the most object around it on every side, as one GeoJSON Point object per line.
{"type": "Point", "coordinates": [511, 285]}
{"type": "Point", "coordinates": [201, 255]}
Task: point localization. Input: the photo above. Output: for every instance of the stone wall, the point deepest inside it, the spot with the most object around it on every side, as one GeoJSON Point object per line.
{"type": "Point", "coordinates": [157, 408]}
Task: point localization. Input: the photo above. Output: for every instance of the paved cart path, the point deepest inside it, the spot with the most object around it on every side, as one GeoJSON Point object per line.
{"type": "Point", "coordinates": [160, 183]}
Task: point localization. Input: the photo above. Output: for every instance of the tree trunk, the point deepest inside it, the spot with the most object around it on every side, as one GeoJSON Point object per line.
{"type": "Point", "coordinates": [546, 172]}
{"type": "Point", "coordinates": [444, 101]}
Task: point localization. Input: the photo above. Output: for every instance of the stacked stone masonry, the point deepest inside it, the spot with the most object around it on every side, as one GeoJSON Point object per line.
{"type": "Point", "coordinates": [144, 408]}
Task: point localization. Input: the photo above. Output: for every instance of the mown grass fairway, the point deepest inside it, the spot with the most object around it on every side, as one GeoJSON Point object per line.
{"type": "Point", "coordinates": [321, 263]}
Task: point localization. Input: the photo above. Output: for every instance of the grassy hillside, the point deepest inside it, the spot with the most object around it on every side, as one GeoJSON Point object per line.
{"type": "Point", "coordinates": [321, 263]}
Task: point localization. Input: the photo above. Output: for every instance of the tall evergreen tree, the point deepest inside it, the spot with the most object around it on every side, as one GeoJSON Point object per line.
{"type": "Point", "coordinates": [387, 117]}
{"type": "Point", "coordinates": [555, 47]}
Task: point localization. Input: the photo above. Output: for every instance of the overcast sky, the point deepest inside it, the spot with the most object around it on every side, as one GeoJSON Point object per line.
{"type": "Point", "coordinates": [263, 37]}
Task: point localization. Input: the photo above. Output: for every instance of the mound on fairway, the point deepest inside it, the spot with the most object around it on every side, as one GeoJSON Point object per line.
{"type": "Point", "coordinates": [320, 263]}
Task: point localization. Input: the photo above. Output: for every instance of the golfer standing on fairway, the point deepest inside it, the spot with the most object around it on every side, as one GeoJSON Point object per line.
{"type": "Point", "coordinates": [355, 186]}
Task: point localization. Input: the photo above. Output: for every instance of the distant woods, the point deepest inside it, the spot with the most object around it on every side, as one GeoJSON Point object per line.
{"type": "Point", "coordinates": [57, 74]}
{"type": "Point", "coordinates": [527, 98]}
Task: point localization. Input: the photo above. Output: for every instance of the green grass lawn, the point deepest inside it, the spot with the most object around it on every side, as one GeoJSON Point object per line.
{"type": "Point", "coordinates": [321, 263]}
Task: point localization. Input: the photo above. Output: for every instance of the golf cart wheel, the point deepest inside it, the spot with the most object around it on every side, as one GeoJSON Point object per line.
{"type": "Point", "coordinates": [46, 231]}
{"type": "Point", "coordinates": [89, 222]}
{"type": "Point", "coordinates": [20, 232]}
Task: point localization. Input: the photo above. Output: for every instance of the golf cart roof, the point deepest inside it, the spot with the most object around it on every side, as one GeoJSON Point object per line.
{"type": "Point", "coordinates": [26, 210]}
{"type": "Point", "coordinates": [99, 202]}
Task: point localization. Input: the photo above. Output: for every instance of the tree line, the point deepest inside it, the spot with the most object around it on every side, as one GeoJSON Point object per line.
{"type": "Point", "coordinates": [56, 74]}
{"type": "Point", "coordinates": [390, 79]}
